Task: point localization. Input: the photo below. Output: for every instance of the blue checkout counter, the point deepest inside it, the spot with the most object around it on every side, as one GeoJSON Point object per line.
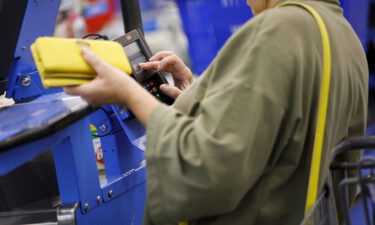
{"type": "Point", "coordinates": [61, 123]}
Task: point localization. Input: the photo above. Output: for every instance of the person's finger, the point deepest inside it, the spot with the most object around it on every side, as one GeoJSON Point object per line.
{"type": "Point", "coordinates": [160, 55]}
{"type": "Point", "coordinates": [171, 63]}
{"type": "Point", "coordinates": [80, 90]}
{"type": "Point", "coordinates": [72, 90]}
{"type": "Point", "coordinates": [149, 65]}
{"type": "Point", "coordinates": [172, 92]}
{"type": "Point", "coordinates": [95, 62]}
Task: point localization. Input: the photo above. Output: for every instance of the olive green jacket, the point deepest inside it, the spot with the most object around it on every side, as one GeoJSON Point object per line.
{"type": "Point", "coordinates": [235, 149]}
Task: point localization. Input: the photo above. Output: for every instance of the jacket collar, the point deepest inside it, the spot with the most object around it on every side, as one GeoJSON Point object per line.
{"type": "Point", "coordinates": [329, 1]}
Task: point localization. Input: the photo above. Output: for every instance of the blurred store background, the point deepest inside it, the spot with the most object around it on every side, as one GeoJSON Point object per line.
{"type": "Point", "coordinates": [196, 29]}
{"type": "Point", "coordinates": [161, 21]}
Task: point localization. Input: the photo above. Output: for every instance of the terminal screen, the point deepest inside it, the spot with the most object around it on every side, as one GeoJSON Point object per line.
{"type": "Point", "coordinates": [136, 56]}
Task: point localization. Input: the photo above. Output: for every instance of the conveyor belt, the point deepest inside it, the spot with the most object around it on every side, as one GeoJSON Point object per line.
{"type": "Point", "coordinates": [26, 122]}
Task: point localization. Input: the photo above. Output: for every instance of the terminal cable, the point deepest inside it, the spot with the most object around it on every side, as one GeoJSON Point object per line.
{"type": "Point", "coordinates": [97, 36]}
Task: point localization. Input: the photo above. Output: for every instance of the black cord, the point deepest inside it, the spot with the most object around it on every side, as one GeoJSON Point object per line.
{"type": "Point", "coordinates": [111, 132]}
{"type": "Point", "coordinates": [98, 36]}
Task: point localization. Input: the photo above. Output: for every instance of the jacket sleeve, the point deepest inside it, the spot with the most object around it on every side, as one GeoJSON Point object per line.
{"type": "Point", "coordinates": [202, 166]}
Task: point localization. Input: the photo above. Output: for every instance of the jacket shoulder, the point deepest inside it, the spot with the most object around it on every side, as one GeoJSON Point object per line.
{"type": "Point", "coordinates": [289, 19]}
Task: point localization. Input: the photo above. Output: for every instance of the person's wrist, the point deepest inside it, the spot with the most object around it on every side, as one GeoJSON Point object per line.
{"type": "Point", "coordinates": [123, 91]}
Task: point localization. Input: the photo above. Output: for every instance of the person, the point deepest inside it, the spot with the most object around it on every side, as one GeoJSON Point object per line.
{"type": "Point", "coordinates": [236, 146]}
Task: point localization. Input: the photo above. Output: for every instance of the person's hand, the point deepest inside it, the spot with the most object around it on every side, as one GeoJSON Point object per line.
{"type": "Point", "coordinates": [113, 87]}
{"type": "Point", "coordinates": [170, 62]}
{"type": "Point", "coordinates": [5, 101]}
{"type": "Point", "coordinates": [106, 88]}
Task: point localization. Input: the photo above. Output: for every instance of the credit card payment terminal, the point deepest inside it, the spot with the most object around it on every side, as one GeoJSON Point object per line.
{"type": "Point", "coordinates": [138, 51]}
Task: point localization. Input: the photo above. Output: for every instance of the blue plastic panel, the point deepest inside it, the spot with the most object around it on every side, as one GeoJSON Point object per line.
{"type": "Point", "coordinates": [208, 25]}
{"type": "Point", "coordinates": [39, 20]}
{"type": "Point", "coordinates": [78, 177]}
{"type": "Point", "coordinates": [357, 14]}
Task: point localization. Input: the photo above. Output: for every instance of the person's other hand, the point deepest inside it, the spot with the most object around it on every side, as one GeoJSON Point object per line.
{"type": "Point", "coordinates": [170, 62]}
{"type": "Point", "coordinates": [5, 101]}
{"type": "Point", "coordinates": [107, 88]}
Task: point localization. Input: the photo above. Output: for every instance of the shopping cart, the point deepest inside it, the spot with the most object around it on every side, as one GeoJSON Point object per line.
{"type": "Point", "coordinates": [324, 211]}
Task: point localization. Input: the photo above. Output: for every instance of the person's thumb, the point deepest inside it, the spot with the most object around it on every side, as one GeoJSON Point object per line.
{"type": "Point", "coordinates": [72, 90]}
{"type": "Point", "coordinates": [98, 64]}
{"type": "Point", "coordinates": [170, 91]}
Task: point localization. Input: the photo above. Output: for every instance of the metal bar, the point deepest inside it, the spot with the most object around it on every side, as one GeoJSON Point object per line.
{"type": "Point", "coordinates": [354, 144]}
{"type": "Point", "coordinates": [131, 15]}
{"type": "Point", "coordinates": [351, 166]}
{"type": "Point", "coordinates": [25, 212]}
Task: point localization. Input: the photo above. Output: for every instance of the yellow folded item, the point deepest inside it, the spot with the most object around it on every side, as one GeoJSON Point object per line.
{"type": "Point", "coordinates": [60, 63]}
